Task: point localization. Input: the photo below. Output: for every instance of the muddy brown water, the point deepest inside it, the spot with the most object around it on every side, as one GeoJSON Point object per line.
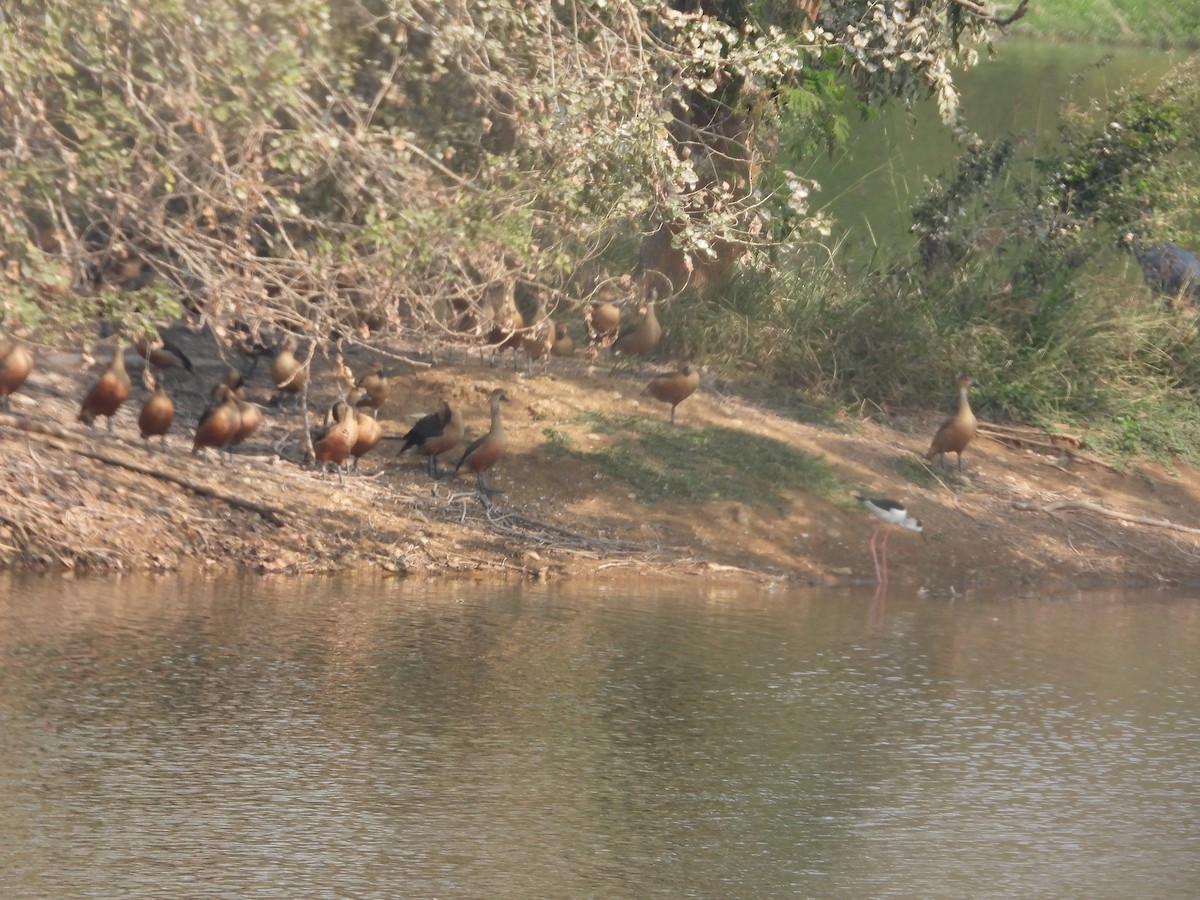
{"type": "Point", "coordinates": [253, 737]}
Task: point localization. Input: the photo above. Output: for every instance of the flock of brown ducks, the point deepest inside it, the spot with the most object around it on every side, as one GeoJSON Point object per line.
{"type": "Point", "coordinates": [351, 427]}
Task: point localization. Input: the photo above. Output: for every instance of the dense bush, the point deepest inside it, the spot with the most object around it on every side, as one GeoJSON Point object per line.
{"type": "Point", "coordinates": [328, 168]}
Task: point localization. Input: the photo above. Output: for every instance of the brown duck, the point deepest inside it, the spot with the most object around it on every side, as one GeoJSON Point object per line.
{"type": "Point", "coordinates": [15, 365]}
{"type": "Point", "coordinates": [158, 412]}
{"type": "Point", "coordinates": [335, 444]}
{"type": "Point", "coordinates": [643, 336]}
{"type": "Point", "coordinates": [374, 388]}
{"type": "Point", "coordinates": [287, 373]}
{"type": "Point", "coordinates": [219, 423]}
{"type": "Point", "coordinates": [370, 433]}
{"type": "Point", "coordinates": [675, 387]}
{"type": "Point", "coordinates": [957, 431]}
{"type": "Point", "coordinates": [232, 378]}
{"type": "Point", "coordinates": [435, 434]}
{"type": "Point", "coordinates": [538, 340]}
{"type": "Point", "coordinates": [603, 321]}
{"type": "Point", "coordinates": [505, 333]}
{"type": "Point", "coordinates": [105, 397]}
{"type": "Point", "coordinates": [564, 344]}
{"type": "Point", "coordinates": [484, 452]}
{"type": "Point", "coordinates": [250, 418]}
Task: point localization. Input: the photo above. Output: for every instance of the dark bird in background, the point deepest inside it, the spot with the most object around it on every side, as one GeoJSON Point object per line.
{"type": "Point", "coordinates": [1170, 271]}
{"type": "Point", "coordinates": [15, 365]}
{"type": "Point", "coordinates": [958, 430]}
{"type": "Point", "coordinates": [107, 394]}
{"type": "Point", "coordinates": [162, 354]}
{"type": "Point", "coordinates": [158, 412]}
{"type": "Point", "coordinates": [484, 452]}
{"type": "Point", "coordinates": [675, 387]}
{"type": "Point", "coordinates": [434, 435]}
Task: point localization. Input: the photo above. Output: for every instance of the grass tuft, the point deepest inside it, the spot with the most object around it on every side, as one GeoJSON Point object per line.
{"type": "Point", "coordinates": [663, 462]}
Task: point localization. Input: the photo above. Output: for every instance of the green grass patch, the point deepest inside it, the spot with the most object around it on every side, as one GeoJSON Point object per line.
{"type": "Point", "coordinates": [1148, 22]}
{"type": "Point", "coordinates": [917, 471]}
{"type": "Point", "coordinates": [663, 462]}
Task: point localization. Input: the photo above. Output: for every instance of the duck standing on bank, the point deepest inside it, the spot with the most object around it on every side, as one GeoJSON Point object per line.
{"type": "Point", "coordinates": [374, 388]}
{"type": "Point", "coordinates": [15, 365]}
{"type": "Point", "coordinates": [107, 394]}
{"type": "Point", "coordinates": [338, 440]}
{"type": "Point", "coordinates": [435, 434]}
{"type": "Point", "coordinates": [288, 373]}
{"type": "Point", "coordinates": [643, 336]}
{"type": "Point", "coordinates": [538, 340]}
{"type": "Point", "coordinates": [219, 423]}
{"type": "Point", "coordinates": [957, 431]}
{"type": "Point", "coordinates": [675, 387]}
{"type": "Point", "coordinates": [158, 412]}
{"type": "Point", "coordinates": [484, 452]}
{"type": "Point", "coordinates": [370, 433]}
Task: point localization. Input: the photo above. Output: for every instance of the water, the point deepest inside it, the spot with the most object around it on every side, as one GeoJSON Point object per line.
{"type": "Point", "coordinates": [321, 738]}
{"type": "Point", "coordinates": [870, 185]}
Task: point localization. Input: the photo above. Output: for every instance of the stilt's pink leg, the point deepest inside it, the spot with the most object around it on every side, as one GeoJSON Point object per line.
{"type": "Point", "coordinates": [887, 533]}
{"type": "Point", "coordinates": [875, 557]}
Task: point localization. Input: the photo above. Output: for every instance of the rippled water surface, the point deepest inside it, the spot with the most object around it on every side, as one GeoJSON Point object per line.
{"type": "Point", "coordinates": [256, 738]}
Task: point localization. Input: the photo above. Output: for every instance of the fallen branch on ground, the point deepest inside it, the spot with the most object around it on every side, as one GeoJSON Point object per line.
{"type": "Point", "coordinates": [1110, 513]}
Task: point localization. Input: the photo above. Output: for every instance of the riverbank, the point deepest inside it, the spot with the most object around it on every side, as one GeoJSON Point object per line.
{"type": "Point", "coordinates": [1024, 511]}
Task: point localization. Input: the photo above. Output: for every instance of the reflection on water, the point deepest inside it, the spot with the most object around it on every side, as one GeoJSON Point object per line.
{"type": "Point", "coordinates": [261, 738]}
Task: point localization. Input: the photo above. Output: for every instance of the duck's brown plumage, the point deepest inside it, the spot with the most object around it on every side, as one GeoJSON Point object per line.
{"type": "Point", "coordinates": [107, 394]}
{"type": "Point", "coordinates": [538, 340]}
{"type": "Point", "coordinates": [339, 438]}
{"type": "Point", "coordinates": [158, 412]}
{"type": "Point", "coordinates": [484, 452]}
{"type": "Point", "coordinates": [370, 433]}
{"type": "Point", "coordinates": [603, 321]}
{"type": "Point", "coordinates": [643, 336]}
{"type": "Point", "coordinates": [375, 388]}
{"type": "Point", "coordinates": [250, 418]}
{"type": "Point", "coordinates": [233, 379]}
{"type": "Point", "coordinates": [287, 373]}
{"type": "Point", "coordinates": [435, 434]}
{"type": "Point", "coordinates": [564, 344]}
{"type": "Point", "coordinates": [675, 387]}
{"type": "Point", "coordinates": [219, 422]}
{"type": "Point", "coordinates": [505, 333]}
{"type": "Point", "coordinates": [15, 365]}
{"type": "Point", "coordinates": [957, 431]}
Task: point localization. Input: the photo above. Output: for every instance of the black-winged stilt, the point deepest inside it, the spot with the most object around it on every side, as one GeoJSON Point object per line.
{"type": "Point", "coordinates": [889, 513]}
